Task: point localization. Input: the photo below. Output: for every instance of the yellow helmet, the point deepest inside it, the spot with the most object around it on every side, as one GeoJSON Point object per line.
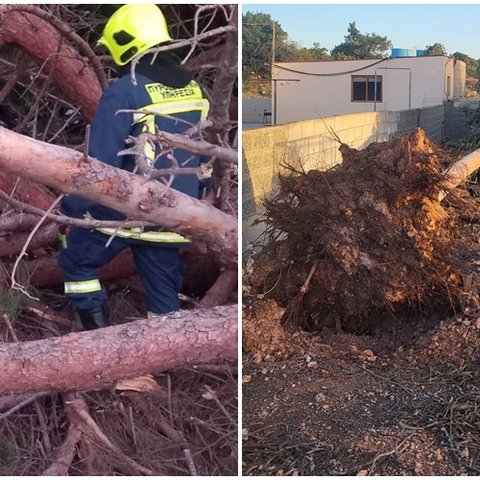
{"type": "Point", "coordinates": [132, 29]}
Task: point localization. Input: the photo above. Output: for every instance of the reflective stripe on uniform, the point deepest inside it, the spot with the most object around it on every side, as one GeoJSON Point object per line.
{"type": "Point", "coordinates": [86, 286]}
{"type": "Point", "coordinates": [170, 108]}
{"type": "Point", "coordinates": [170, 100]}
{"type": "Point", "coordinates": [150, 236]}
{"type": "Point", "coordinates": [138, 233]}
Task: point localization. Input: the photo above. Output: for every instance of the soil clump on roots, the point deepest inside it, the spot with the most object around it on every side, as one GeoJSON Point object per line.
{"type": "Point", "coordinates": [349, 245]}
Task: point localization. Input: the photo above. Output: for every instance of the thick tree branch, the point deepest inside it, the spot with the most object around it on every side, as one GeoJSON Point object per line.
{"type": "Point", "coordinates": [26, 191]}
{"type": "Point", "coordinates": [151, 201]}
{"type": "Point", "coordinates": [95, 359]}
{"type": "Point", "coordinates": [66, 452]}
{"type": "Point", "coordinates": [12, 244]}
{"type": "Point", "coordinates": [40, 40]}
{"type": "Point", "coordinates": [83, 47]}
{"type": "Point", "coordinates": [44, 271]}
{"type": "Point", "coordinates": [31, 220]}
{"type": "Point", "coordinates": [221, 290]}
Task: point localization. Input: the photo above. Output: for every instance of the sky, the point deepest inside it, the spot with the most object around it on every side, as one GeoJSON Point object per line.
{"type": "Point", "coordinates": [406, 25]}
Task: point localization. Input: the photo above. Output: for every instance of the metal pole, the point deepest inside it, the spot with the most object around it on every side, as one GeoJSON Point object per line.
{"type": "Point", "coordinates": [273, 44]}
{"type": "Point", "coordinates": [274, 85]}
{"type": "Point", "coordinates": [410, 89]}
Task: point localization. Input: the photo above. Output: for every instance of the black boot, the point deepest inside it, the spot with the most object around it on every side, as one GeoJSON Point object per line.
{"type": "Point", "coordinates": [94, 317]}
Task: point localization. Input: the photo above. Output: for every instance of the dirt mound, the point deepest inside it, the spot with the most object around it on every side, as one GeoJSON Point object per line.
{"type": "Point", "coordinates": [360, 238]}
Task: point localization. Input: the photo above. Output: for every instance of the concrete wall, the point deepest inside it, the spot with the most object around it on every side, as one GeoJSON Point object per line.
{"type": "Point", "coordinates": [321, 89]}
{"type": "Point", "coordinates": [252, 111]}
{"type": "Point", "coordinates": [311, 144]}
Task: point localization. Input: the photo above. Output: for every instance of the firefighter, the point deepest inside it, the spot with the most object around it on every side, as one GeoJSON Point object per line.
{"type": "Point", "coordinates": [162, 86]}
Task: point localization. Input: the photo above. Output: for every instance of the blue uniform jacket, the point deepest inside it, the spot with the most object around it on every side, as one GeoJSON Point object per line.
{"type": "Point", "coordinates": [110, 130]}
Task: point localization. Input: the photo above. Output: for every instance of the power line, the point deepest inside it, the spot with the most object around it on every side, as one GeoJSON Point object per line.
{"type": "Point", "coordinates": [336, 74]}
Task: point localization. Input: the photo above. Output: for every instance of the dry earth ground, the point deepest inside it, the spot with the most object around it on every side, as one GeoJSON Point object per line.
{"type": "Point", "coordinates": [401, 400]}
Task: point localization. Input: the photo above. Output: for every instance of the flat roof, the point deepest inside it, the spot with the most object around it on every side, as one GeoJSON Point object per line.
{"type": "Point", "coordinates": [331, 60]}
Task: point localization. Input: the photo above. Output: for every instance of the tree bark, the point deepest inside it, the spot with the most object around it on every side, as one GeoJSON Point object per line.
{"type": "Point", "coordinates": [149, 201]}
{"type": "Point", "coordinates": [68, 70]}
{"type": "Point", "coordinates": [95, 359]}
{"type": "Point", "coordinates": [201, 272]}
{"type": "Point", "coordinates": [26, 191]}
{"type": "Point", "coordinates": [65, 454]}
{"type": "Point", "coordinates": [43, 272]}
{"type": "Point", "coordinates": [13, 243]}
{"type": "Point", "coordinates": [221, 290]}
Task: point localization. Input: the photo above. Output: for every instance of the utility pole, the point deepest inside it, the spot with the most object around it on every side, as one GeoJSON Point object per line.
{"type": "Point", "coordinates": [274, 86]}
{"type": "Point", "coordinates": [273, 43]}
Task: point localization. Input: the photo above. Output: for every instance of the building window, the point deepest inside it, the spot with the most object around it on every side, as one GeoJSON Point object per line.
{"type": "Point", "coordinates": [363, 88]}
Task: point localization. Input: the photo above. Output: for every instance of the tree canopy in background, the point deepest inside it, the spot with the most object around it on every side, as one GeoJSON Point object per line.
{"type": "Point", "coordinates": [257, 46]}
{"type": "Point", "coordinates": [472, 64]}
{"type": "Point", "coordinates": [358, 45]}
{"type": "Point", "coordinates": [436, 49]}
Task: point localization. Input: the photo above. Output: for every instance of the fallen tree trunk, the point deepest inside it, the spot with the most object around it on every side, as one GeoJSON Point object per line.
{"type": "Point", "coordinates": [151, 201]}
{"type": "Point", "coordinates": [43, 272]}
{"type": "Point", "coordinates": [95, 359]}
{"type": "Point", "coordinates": [45, 45]}
{"type": "Point", "coordinates": [461, 170]}
{"type": "Point", "coordinates": [26, 191]}
{"type": "Point", "coordinates": [199, 276]}
{"type": "Point", "coordinates": [12, 244]}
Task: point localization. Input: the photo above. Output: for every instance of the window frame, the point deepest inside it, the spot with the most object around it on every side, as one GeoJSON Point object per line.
{"type": "Point", "coordinates": [367, 77]}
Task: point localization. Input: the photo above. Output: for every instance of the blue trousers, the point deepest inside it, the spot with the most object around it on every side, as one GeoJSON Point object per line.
{"type": "Point", "coordinates": [160, 269]}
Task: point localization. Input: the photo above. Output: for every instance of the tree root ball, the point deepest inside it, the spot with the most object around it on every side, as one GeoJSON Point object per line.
{"type": "Point", "coordinates": [360, 238]}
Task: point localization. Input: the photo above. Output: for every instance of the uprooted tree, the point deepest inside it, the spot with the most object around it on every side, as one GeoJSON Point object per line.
{"type": "Point", "coordinates": [52, 82]}
{"type": "Point", "coordinates": [352, 245]}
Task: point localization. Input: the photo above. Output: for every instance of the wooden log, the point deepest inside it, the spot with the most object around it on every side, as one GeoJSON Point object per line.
{"type": "Point", "coordinates": [43, 272]}
{"type": "Point", "coordinates": [151, 201]}
{"type": "Point", "coordinates": [96, 359]}
{"type": "Point", "coordinates": [41, 42]}
{"type": "Point", "coordinates": [26, 191]}
{"type": "Point", "coordinates": [460, 171]}
{"type": "Point", "coordinates": [13, 243]}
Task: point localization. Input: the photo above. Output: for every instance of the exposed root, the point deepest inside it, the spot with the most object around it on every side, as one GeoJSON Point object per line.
{"type": "Point", "coordinates": [374, 229]}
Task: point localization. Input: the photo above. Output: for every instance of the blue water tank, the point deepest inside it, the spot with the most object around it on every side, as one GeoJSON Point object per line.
{"type": "Point", "coordinates": [403, 52]}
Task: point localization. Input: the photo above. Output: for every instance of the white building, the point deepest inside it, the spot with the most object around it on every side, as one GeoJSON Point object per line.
{"type": "Point", "coordinates": [308, 90]}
